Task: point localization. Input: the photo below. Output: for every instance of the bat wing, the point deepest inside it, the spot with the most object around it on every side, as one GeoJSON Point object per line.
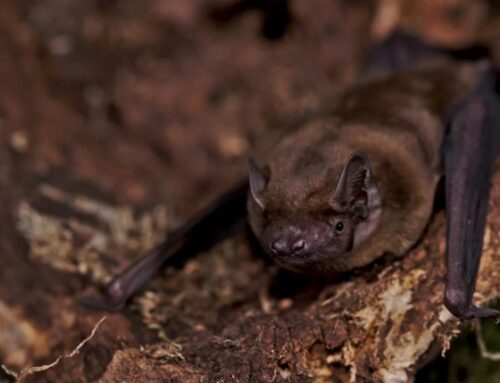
{"type": "Point", "coordinates": [202, 230]}
{"type": "Point", "coordinates": [469, 157]}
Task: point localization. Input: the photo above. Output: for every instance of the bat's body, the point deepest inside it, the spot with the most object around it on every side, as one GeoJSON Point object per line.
{"type": "Point", "coordinates": [345, 188]}
{"type": "Point", "coordinates": [397, 124]}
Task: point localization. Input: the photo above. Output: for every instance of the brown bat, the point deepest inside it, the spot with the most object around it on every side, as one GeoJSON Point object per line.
{"type": "Point", "coordinates": [359, 181]}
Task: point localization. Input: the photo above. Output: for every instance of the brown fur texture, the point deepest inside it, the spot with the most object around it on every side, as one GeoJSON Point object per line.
{"type": "Point", "coordinates": [398, 122]}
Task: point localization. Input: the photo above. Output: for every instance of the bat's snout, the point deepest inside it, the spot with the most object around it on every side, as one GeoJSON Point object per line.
{"type": "Point", "coordinates": [288, 246]}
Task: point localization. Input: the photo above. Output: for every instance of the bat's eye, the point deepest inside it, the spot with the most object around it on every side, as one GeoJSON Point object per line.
{"type": "Point", "coordinates": [339, 227]}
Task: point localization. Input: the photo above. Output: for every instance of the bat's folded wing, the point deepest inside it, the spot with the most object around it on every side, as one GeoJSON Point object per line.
{"type": "Point", "coordinates": [197, 233]}
{"type": "Point", "coordinates": [469, 152]}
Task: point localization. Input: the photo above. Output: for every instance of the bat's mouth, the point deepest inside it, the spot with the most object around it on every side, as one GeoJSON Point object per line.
{"type": "Point", "coordinates": [314, 262]}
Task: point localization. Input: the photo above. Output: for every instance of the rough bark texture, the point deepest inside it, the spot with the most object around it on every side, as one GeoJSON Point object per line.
{"type": "Point", "coordinates": [117, 121]}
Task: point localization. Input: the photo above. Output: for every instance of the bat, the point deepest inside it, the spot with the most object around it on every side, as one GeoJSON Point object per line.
{"type": "Point", "coordinates": [359, 181]}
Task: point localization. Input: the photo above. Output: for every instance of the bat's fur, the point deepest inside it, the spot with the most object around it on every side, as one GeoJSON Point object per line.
{"type": "Point", "coordinates": [398, 122]}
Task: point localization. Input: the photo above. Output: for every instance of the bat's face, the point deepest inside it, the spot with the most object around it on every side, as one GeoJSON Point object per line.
{"type": "Point", "coordinates": [307, 244]}
{"type": "Point", "coordinates": [316, 240]}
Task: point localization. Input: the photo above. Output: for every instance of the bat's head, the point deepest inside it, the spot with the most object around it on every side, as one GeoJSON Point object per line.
{"type": "Point", "coordinates": [318, 235]}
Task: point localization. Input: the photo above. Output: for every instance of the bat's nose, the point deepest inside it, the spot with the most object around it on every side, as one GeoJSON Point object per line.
{"type": "Point", "coordinates": [298, 245]}
{"type": "Point", "coordinates": [284, 247]}
{"type": "Point", "coordinates": [280, 247]}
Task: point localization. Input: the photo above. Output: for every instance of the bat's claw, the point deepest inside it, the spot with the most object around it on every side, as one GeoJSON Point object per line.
{"type": "Point", "coordinates": [99, 304]}
{"type": "Point", "coordinates": [458, 303]}
{"type": "Point", "coordinates": [473, 312]}
{"type": "Point", "coordinates": [480, 312]}
{"type": "Point", "coordinates": [115, 297]}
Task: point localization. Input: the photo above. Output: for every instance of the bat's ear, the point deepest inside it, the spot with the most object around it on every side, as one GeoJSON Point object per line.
{"type": "Point", "coordinates": [355, 191]}
{"type": "Point", "coordinates": [258, 182]}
